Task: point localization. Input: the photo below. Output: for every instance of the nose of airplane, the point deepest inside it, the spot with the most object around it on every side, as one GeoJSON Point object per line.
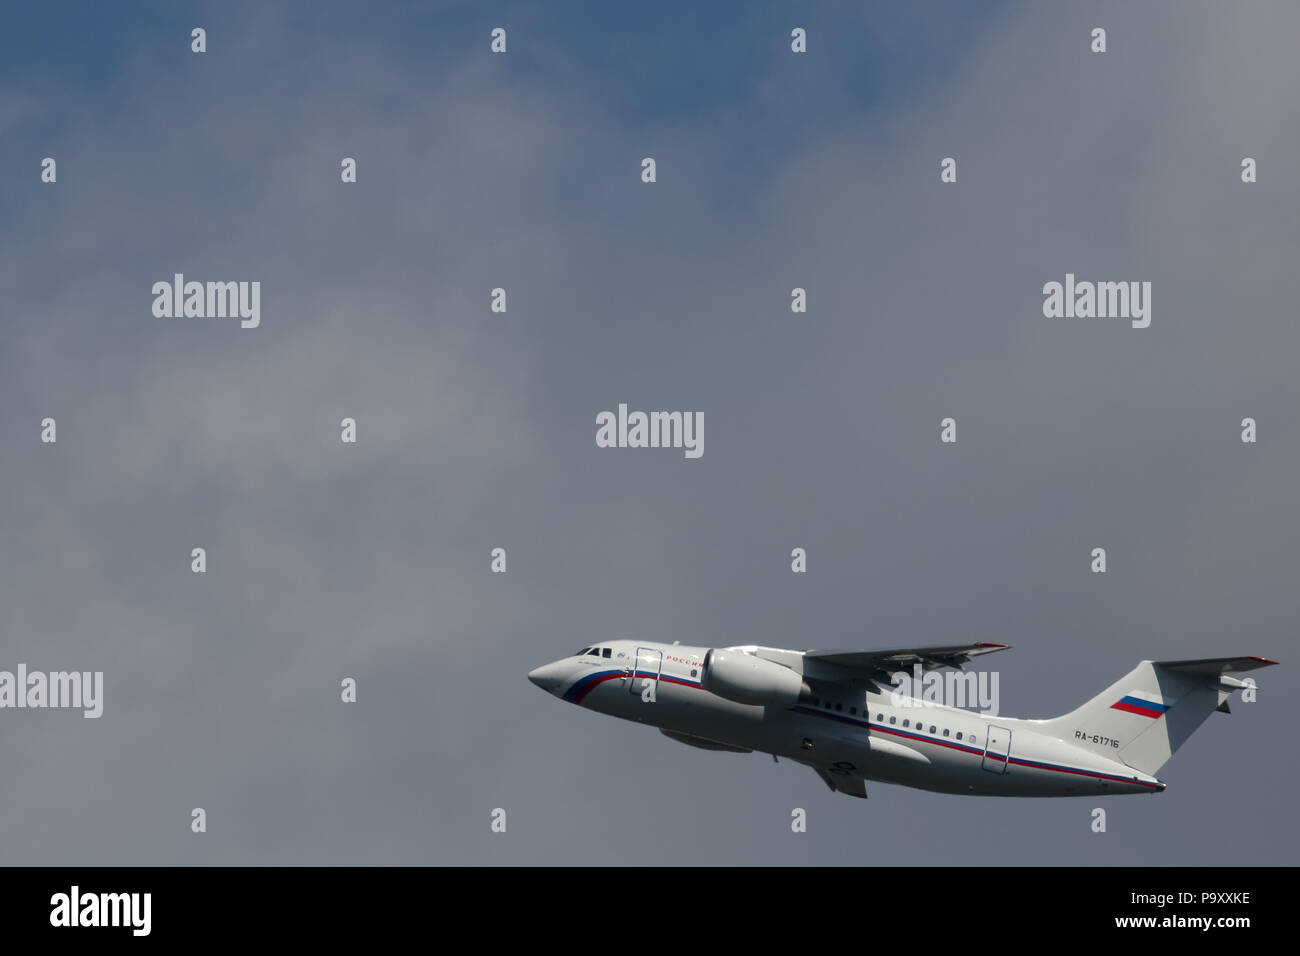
{"type": "Point", "coordinates": [549, 677]}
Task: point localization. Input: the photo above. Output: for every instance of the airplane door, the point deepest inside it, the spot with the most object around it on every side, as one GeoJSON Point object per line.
{"type": "Point", "coordinates": [646, 668]}
{"type": "Point", "coordinates": [997, 750]}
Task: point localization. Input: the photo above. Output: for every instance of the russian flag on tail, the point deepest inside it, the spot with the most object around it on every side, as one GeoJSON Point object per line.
{"type": "Point", "coordinates": [1136, 705]}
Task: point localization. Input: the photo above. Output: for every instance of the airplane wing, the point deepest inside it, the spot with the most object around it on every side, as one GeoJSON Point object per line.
{"type": "Point", "coordinates": [704, 743]}
{"type": "Point", "coordinates": [889, 662]}
{"type": "Point", "coordinates": [844, 783]}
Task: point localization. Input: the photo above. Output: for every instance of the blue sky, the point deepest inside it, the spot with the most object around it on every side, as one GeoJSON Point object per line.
{"type": "Point", "coordinates": [673, 62]}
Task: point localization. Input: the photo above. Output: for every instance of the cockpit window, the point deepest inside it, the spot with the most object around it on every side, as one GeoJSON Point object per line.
{"type": "Point", "coordinates": [581, 652]}
{"type": "Point", "coordinates": [594, 652]}
{"type": "Point", "coordinates": [605, 652]}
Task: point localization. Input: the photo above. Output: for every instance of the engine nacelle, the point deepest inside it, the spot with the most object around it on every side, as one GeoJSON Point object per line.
{"type": "Point", "coordinates": [747, 679]}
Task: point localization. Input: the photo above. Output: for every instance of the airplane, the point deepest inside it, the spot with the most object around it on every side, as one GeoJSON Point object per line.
{"type": "Point", "coordinates": [839, 713]}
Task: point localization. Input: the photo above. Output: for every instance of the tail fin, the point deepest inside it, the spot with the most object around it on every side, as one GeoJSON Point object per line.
{"type": "Point", "coordinates": [1147, 714]}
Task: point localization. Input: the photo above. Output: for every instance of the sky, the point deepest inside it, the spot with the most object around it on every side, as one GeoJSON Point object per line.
{"type": "Point", "coordinates": [476, 430]}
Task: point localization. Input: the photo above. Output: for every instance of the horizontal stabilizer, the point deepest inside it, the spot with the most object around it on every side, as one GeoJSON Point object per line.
{"type": "Point", "coordinates": [1216, 666]}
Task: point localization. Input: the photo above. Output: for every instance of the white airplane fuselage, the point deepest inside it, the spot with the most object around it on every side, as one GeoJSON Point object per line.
{"type": "Point", "coordinates": [848, 733]}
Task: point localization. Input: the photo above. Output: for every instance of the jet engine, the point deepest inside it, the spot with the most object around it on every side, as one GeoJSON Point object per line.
{"type": "Point", "coordinates": [747, 679]}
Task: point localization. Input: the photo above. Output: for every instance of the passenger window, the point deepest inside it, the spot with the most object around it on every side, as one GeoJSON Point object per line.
{"type": "Point", "coordinates": [605, 652]}
{"type": "Point", "coordinates": [893, 720]}
{"type": "Point", "coordinates": [932, 728]}
{"type": "Point", "coordinates": [816, 702]}
{"type": "Point", "coordinates": [906, 724]}
{"type": "Point", "coordinates": [945, 731]}
{"type": "Point", "coordinates": [959, 735]}
{"type": "Point", "coordinates": [839, 706]}
{"type": "Point", "coordinates": [880, 716]}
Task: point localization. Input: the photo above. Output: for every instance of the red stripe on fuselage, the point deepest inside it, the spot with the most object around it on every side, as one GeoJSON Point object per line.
{"type": "Point", "coordinates": [581, 696]}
